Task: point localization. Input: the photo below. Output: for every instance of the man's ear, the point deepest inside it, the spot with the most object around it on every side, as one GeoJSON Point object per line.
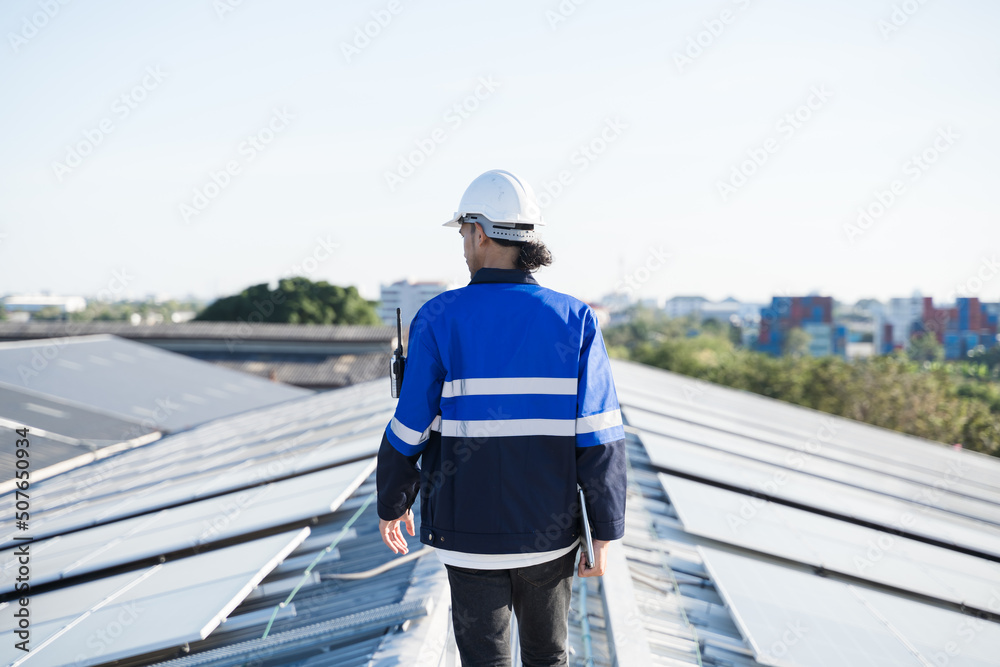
{"type": "Point", "coordinates": [482, 235]}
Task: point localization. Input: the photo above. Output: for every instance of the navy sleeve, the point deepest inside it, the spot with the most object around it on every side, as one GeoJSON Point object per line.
{"type": "Point", "coordinates": [600, 451]}
{"type": "Point", "coordinates": [601, 473]}
{"type": "Point", "coordinates": [397, 479]}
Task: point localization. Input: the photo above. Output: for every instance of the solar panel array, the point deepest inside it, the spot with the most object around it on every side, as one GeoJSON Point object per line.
{"type": "Point", "coordinates": [903, 531]}
{"type": "Point", "coordinates": [797, 618]}
{"type": "Point", "coordinates": [90, 392]}
{"type": "Point", "coordinates": [832, 542]}
{"type": "Point", "coordinates": [318, 431]}
{"type": "Point", "coordinates": [221, 505]}
{"type": "Point", "coordinates": [143, 610]}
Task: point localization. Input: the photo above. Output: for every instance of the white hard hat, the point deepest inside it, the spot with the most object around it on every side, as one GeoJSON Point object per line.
{"type": "Point", "coordinates": [503, 204]}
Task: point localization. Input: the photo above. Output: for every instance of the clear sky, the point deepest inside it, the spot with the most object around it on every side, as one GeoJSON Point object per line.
{"type": "Point", "coordinates": [714, 148]}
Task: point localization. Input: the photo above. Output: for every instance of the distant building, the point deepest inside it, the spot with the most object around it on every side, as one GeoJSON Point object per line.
{"type": "Point", "coordinates": [901, 318]}
{"type": "Point", "coordinates": [959, 328]}
{"type": "Point", "coordinates": [616, 301]}
{"type": "Point", "coordinates": [408, 297]}
{"type": "Point", "coordinates": [653, 303]}
{"type": "Point", "coordinates": [812, 314]}
{"type": "Point", "coordinates": [724, 310]}
{"type": "Point", "coordinates": [32, 303]}
{"type": "Point", "coordinates": [681, 306]}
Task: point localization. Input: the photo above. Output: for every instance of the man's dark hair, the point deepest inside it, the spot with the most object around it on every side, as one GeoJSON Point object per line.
{"type": "Point", "coordinates": [533, 256]}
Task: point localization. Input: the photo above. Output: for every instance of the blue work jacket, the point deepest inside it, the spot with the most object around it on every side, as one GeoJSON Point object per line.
{"type": "Point", "coordinates": [508, 402]}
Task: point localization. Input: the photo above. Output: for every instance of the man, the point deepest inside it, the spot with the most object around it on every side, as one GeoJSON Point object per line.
{"type": "Point", "coordinates": [509, 400]}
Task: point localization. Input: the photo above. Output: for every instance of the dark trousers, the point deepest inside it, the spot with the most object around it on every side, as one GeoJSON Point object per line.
{"type": "Point", "coordinates": [481, 602]}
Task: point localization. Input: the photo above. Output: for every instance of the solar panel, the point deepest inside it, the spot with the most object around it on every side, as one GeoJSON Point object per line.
{"type": "Point", "coordinates": [52, 414]}
{"type": "Point", "coordinates": [279, 441]}
{"type": "Point", "coordinates": [188, 526]}
{"type": "Point", "coordinates": [823, 438]}
{"type": "Point", "coordinates": [696, 460]}
{"type": "Point", "coordinates": [943, 493]}
{"type": "Point", "coordinates": [151, 609]}
{"type": "Point", "coordinates": [675, 394]}
{"type": "Point", "coordinates": [836, 545]}
{"type": "Point", "coordinates": [790, 617]}
{"type": "Point", "coordinates": [131, 381]}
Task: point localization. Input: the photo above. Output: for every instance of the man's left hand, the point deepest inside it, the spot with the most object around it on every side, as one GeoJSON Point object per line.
{"type": "Point", "coordinates": [392, 534]}
{"type": "Point", "coordinates": [600, 560]}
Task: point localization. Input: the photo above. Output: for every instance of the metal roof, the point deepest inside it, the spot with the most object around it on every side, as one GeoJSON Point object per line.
{"type": "Point", "coordinates": [684, 588]}
{"type": "Point", "coordinates": [332, 372]}
{"type": "Point", "coordinates": [201, 330]}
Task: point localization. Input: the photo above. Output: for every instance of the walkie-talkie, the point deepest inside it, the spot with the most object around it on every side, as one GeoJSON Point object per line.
{"type": "Point", "coordinates": [398, 362]}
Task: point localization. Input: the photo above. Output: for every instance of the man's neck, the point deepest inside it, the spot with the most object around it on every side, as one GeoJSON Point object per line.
{"type": "Point", "coordinates": [498, 264]}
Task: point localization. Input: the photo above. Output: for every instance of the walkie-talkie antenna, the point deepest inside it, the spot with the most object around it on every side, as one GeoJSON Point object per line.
{"type": "Point", "coordinates": [399, 330]}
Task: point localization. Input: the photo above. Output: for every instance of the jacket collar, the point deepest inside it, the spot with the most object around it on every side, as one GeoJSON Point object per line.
{"type": "Point", "coordinates": [487, 275]}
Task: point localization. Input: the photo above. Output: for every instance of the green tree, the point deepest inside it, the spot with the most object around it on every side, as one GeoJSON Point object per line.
{"type": "Point", "coordinates": [946, 401]}
{"type": "Point", "coordinates": [988, 358]}
{"type": "Point", "coordinates": [796, 343]}
{"type": "Point", "coordinates": [925, 347]}
{"type": "Point", "coordinates": [296, 300]}
{"type": "Point", "coordinates": [48, 313]}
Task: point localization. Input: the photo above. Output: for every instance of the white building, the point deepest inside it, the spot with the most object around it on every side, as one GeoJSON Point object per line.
{"type": "Point", "coordinates": [408, 297]}
{"type": "Point", "coordinates": [724, 311]}
{"type": "Point", "coordinates": [679, 306]}
{"type": "Point", "coordinates": [901, 313]}
{"type": "Point", "coordinates": [32, 303]}
{"type": "Point", "coordinates": [616, 302]}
